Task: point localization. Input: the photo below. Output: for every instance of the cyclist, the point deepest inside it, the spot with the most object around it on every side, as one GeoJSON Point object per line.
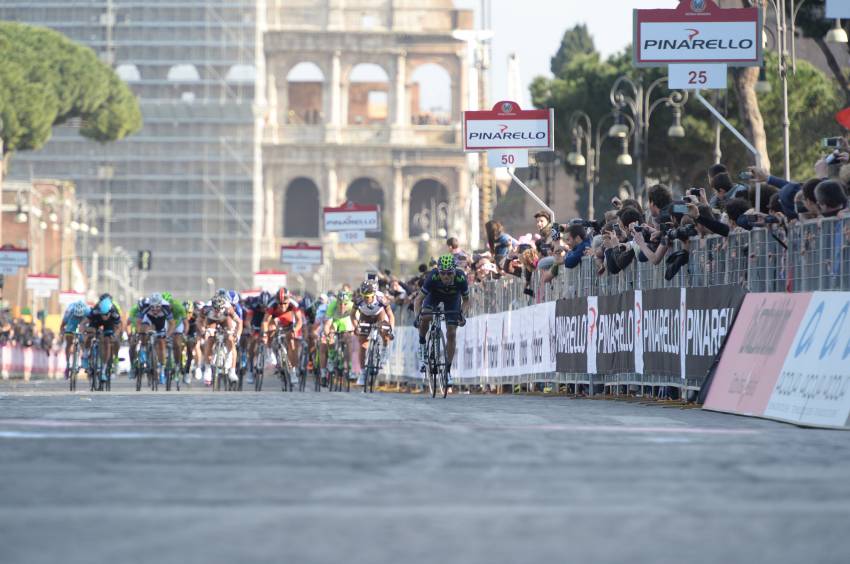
{"type": "Point", "coordinates": [284, 313]}
{"type": "Point", "coordinates": [133, 334]}
{"type": "Point", "coordinates": [318, 331]}
{"type": "Point", "coordinates": [445, 285]}
{"type": "Point", "coordinates": [371, 308]}
{"type": "Point", "coordinates": [106, 316]}
{"type": "Point", "coordinates": [255, 314]}
{"type": "Point", "coordinates": [193, 337]}
{"type": "Point", "coordinates": [179, 314]}
{"type": "Point", "coordinates": [76, 313]}
{"type": "Point", "coordinates": [338, 321]}
{"type": "Point", "coordinates": [159, 316]}
{"type": "Point", "coordinates": [220, 312]}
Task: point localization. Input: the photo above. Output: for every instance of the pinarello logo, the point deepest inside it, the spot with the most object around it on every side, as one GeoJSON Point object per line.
{"type": "Point", "coordinates": [507, 107]}
{"type": "Point", "coordinates": [502, 128]}
{"type": "Point", "coordinates": [693, 33]}
{"type": "Point", "coordinates": [698, 5]}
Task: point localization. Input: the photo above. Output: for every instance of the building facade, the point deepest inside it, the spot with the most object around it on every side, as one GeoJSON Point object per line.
{"type": "Point", "coordinates": [187, 186]}
{"type": "Point", "coordinates": [345, 123]}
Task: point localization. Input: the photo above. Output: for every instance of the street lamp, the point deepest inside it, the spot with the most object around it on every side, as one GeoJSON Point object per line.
{"type": "Point", "coordinates": [836, 34]}
{"type": "Point", "coordinates": [624, 158]}
{"type": "Point", "coordinates": [641, 105]}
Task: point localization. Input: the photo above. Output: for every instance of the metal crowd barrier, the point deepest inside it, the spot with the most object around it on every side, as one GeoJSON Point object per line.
{"type": "Point", "coordinates": [808, 256]}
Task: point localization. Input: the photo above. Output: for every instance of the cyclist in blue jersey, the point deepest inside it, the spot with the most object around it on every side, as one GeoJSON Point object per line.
{"type": "Point", "coordinates": [74, 316]}
{"type": "Point", "coordinates": [445, 285]}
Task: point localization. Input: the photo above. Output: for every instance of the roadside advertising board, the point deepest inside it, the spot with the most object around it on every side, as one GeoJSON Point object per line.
{"type": "Point", "coordinates": [13, 257]}
{"type": "Point", "coordinates": [352, 217]}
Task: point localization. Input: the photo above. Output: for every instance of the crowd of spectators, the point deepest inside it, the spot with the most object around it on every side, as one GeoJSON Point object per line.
{"type": "Point", "coordinates": [17, 331]}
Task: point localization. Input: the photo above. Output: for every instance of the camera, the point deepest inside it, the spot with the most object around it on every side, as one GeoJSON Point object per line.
{"type": "Point", "coordinates": [556, 232]}
{"type": "Point", "coordinates": [831, 157]}
{"type": "Point", "coordinates": [694, 192]}
{"type": "Point", "coordinates": [830, 142]}
{"type": "Point", "coordinates": [680, 209]}
{"type": "Point", "coordinates": [770, 219]}
{"type": "Point", "coordinates": [682, 233]}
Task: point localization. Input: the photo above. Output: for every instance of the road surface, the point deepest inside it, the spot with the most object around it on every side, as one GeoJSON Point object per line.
{"type": "Point", "coordinates": [203, 478]}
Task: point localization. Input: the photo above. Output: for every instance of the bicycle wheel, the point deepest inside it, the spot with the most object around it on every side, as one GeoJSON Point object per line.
{"type": "Point", "coordinates": [433, 352]}
{"type": "Point", "coordinates": [140, 374]}
{"type": "Point", "coordinates": [443, 365]}
{"type": "Point", "coordinates": [259, 367]}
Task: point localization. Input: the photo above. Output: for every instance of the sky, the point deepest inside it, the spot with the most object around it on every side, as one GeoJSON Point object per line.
{"type": "Point", "coordinates": [533, 29]}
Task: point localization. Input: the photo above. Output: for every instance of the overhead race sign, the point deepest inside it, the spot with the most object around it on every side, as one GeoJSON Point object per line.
{"type": "Point", "coordinates": [698, 31]}
{"type": "Point", "coordinates": [300, 253]}
{"type": "Point", "coordinates": [13, 258]}
{"type": "Point", "coordinates": [69, 297]}
{"type": "Point", "coordinates": [702, 76]}
{"type": "Point", "coordinates": [352, 236]}
{"type": "Point", "coordinates": [42, 285]}
{"type": "Point", "coordinates": [269, 280]}
{"type": "Point", "coordinates": [507, 126]}
{"type": "Point", "coordinates": [507, 158]}
{"type": "Point", "coordinates": [352, 217]}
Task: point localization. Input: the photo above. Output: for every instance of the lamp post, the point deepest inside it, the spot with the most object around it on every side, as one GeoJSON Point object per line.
{"type": "Point", "coordinates": [581, 127]}
{"type": "Point", "coordinates": [641, 104]}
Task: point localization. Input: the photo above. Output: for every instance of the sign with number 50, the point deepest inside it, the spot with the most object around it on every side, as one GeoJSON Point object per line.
{"type": "Point", "coordinates": [697, 77]}
{"type": "Point", "coordinates": [507, 159]}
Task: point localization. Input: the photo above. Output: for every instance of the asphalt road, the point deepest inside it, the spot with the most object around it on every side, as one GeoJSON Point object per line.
{"type": "Point", "coordinates": [299, 478]}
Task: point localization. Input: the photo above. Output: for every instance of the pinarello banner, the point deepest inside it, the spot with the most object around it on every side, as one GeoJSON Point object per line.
{"type": "Point", "coordinates": [673, 332]}
{"type": "Point", "coordinates": [507, 126]}
{"type": "Point", "coordinates": [755, 353]}
{"type": "Point", "coordinates": [698, 31]}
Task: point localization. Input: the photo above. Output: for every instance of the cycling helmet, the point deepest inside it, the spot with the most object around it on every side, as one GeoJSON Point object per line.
{"type": "Point", "coordinates": [446, 263]}
{"type": "Point", "coordinates": [234, 297]}
{"type": "Point", "coordinates": [218, 303]}
{"type": "Point", "coordinates": [282, 294]}
{"type": "Point", "coordinates": [306, 302]}
{"type": "Point", "coordinates": [344, 296]}
{"type": "Point", "coordinates": [166, 297]}
{"type": "Point", "coordinates": [368, 288]}
{"type": "Point", "coordinates": [331, 295]}
{"type": "Point", "coordinates": [104, 296]}
{"type": "Point", "coordinates": [264, 299]}
{"type": "Point", "coordinates": [188, 307]}
{"type": "Point", "coordinates": [198, 305]}
{"type": "Point", "coordinates": [104, 305]}
{"type": "Point", "coordinates": [155, 300]}
{"type": "Point", "coordinates": [80, 309]}
{"type": "Point", "coordinates": [143, 302]}
{"type": "Point", "coordinates": [323, 298]}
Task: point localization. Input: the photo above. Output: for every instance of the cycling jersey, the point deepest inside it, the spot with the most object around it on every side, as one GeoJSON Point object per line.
{"type": "Point", "coordinates": [177, 310]}
{"type": "Point", "coordinates": [192, 325]}
{"type": "Point", "coordinates": [159, 319]}
{"type": "Point", "coordinates": [435, 286]}
{"type": "Point", "coordinates": [285, 316]}
{"type": "Point", "coordinates": [108, 322]}
{"type": "Point", "coordinates": [341, 322]}
{"type": "Point", "coordinates": [72, 321]}
{"type": "Point", "coordinates": [213, 316]}
{"type": "Point", "coordinates": [372, 309]}
{"type": "Point", "coordinates": [255, 312]}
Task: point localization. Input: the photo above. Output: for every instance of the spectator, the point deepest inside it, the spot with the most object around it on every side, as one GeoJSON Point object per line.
{"type": "Point", "coordinates": [577, 240]}
{"type": "Point", "coordinates": [831, 198]}
{"type": "Point", "coordinates": [725, 190]}
{"type": "Point", "coordinates": [500, 243]}
{"type": "Point", "coordinates": [660, 199]}
{"type": "Point", "coordinates": [460, 255]}
{"type": "Point", "coordinates": [735, 208]}
{"type": "Point", "coordinates": [705, 220]}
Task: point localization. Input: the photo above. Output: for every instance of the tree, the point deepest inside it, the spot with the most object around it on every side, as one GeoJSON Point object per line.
{"type": "Point", "coordinates": [812, 23]}
{"type": "Point", "coordinates": [585, 82]}
{"type": "Point", "coordinates": [576, 41]}
{"type": "Point", "coordinates": [46, 80]}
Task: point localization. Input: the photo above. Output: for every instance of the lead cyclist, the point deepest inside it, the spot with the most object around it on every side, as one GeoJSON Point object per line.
{"type": "Point", "coordinates": [445, 285]}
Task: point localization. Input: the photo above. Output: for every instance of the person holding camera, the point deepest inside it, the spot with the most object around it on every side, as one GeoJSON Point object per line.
{"type": "Point", "coordinates": [622, 250]}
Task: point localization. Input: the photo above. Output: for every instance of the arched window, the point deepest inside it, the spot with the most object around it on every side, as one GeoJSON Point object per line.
{"type": "Point", "coordinates": [301, 209]}
{"type": "Point", "coordinates": [429, 209]}
{"type": "Point", "coordinates": [183, 73]}
{"type": "Point", "coordinates": [366, 191]}
{"type": "Point", "coordinates": [241, 74]}
{"type": "Point", "coordinates": [305, 84]}
{"type": "Point", "coordinates": [368, 95]}
{"type": "Point", "coordinates": [431, 96]}
{"type": "Point", "coordinates": [128, 72]}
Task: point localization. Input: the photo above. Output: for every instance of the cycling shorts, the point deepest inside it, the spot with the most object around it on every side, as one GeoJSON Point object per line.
{"type": "Point", "coordinates": [451, 305]}
{"type": "Point", "coordinates": [71, 325]}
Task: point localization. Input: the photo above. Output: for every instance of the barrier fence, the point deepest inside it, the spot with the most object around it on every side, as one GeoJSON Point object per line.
{"type": "Point", "coordinates": [634, 328]}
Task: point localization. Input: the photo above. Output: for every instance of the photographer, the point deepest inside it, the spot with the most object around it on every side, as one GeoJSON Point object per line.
{"type": "Point", "coordinates": [724, 189]}
{"type": "Point", "coordinates": [578, 242]}
{"type": "Point", "coordinates": [704, 218]}
{"type": "Point", "coordinates": [831, 198]}
{"type": "Point", "coordinates": [621, 249]}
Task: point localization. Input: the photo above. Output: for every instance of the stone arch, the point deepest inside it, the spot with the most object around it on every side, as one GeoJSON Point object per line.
{"type": "Point", "coordinates": [305, 93]}
{"type": "Point", "coordinates": [366, 191]}
{"type": "Point", "coordinates": [368, 96]}
{"type": "Point", "coordinates": [241, 74]}
{"type": "Point", "coordinates": [301, 209]}
{"type": "Point", "coordinates": [430, 95]}
{"type": "Point", "coordinates": [428, 210]}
